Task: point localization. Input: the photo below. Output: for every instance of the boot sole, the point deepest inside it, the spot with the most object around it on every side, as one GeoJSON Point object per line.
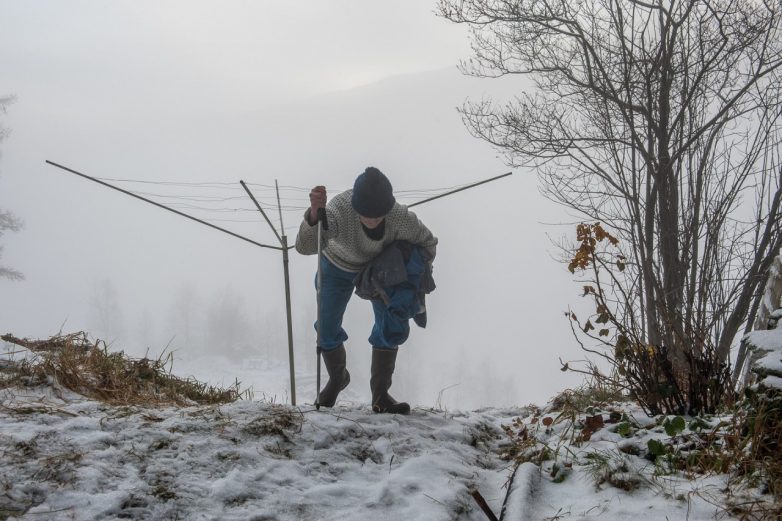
{"type": "Point", "coordinates": [399, 408]}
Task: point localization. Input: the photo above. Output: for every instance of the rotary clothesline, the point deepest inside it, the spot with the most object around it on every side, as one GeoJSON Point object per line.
{"type": "Point", "coordinates": [280, 236]}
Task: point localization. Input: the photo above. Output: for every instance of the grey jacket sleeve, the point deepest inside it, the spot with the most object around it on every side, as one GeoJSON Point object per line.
{"type": "Point", "coordinates": [307, 238]}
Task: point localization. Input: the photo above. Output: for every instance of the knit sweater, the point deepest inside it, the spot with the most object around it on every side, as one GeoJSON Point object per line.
{"type": "Point", "coordinates": [347, 245]}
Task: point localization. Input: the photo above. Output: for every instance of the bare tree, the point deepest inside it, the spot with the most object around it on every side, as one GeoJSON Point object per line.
{"type": "Point", "coordinates": [228, 330]}
{"type": "Point", "coordinates": [186, 318]}
{"type": "Point", "coordinates": [106, 314]}
{"type": "Point", "coordinates": [8, 222]}
{"type": "Point", "coordinates": [660, 119]}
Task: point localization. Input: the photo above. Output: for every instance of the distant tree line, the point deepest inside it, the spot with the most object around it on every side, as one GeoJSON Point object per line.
{"type": "Point", "coordinates": [8, 222]}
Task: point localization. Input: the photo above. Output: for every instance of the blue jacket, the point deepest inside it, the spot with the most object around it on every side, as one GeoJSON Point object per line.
{"type": "Point", "coordinates": [400, 276]}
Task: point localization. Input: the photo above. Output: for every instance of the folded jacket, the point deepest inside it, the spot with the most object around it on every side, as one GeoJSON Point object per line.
{"type": "Point", "coordinates": [400, 276]}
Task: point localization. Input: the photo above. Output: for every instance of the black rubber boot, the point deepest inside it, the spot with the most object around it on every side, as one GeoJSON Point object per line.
{"type": "Point", "coordinates": [339, 377]}
{"type": "Point", "coordinates": [383, 363]}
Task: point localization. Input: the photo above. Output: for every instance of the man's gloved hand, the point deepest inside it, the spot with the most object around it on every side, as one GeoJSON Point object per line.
{"type": "Point", "coordinates": [317, 200]}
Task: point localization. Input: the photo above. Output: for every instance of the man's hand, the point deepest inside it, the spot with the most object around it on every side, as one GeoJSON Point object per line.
{"type": "Point", "coordinates": [317, 200]}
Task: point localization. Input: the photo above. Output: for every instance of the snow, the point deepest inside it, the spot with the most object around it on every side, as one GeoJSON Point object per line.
{"type": "Point", "coordinates": [771, 381]}
{"type": "Point", "coordinates": [766, 339]}
{"type": "Point", "coordinates": [68, 457]}
{"type": "Point", "coordinates": [77, 459]}
{"type": "Point", "coordinates": [525, 483]}
{"type": "Point", "coordinates": [768, 364]}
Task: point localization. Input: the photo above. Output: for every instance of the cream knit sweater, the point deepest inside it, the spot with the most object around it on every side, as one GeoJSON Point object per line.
{"type": "Point", "coordinates": [346, 244]}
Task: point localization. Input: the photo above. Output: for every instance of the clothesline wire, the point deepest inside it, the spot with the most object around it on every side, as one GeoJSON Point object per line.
{"type": "Point", "coordinates": [267, 197]}
{"type": "Point", "coordinates": [209, 198]}
{"type": "Point", "coordinates": [232, 209]}
{"type": "Point", "coordinates": [261, 186]}
{"type": "Point", "coordinates": [269, 200]}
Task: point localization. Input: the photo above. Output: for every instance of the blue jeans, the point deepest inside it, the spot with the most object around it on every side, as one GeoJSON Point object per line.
{"type": "Point", "coordinates": [388, 332]}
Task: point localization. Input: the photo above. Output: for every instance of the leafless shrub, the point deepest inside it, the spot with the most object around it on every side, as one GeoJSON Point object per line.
{"type": "Point", "coordinates": [700, 383]}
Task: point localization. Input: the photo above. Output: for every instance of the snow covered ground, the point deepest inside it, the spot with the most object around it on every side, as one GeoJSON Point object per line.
{"type": "Point", "coordinates": [68, 457]}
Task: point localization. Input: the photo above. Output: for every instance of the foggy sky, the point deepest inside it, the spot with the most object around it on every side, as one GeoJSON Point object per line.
{"type": "Point", "coordinates": [306, 93]}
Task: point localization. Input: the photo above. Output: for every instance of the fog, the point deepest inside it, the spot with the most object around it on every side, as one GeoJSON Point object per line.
{"type": "Point", "coordinates": [300, 93]}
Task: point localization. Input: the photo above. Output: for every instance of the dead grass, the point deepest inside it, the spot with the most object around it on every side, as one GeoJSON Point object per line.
{"type": "Point", "coordinates": [90, 369]}
{"type": "Point", "coordinates": [591, 395]}
{"type": "Point", "coordinates": [761, 432]}
{"type": "Point", "coordinates": [277, 421]}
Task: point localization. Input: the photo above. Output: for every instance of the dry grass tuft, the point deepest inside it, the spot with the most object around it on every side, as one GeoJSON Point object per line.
{"type": "Point", "coordinates": [761, 431]}
{"type": "Point", "coordinates": [278, 421]}
{"type": "Point", "coordinates": [593, 394]}
{"type": "Point", "coordinates": [88, 368]}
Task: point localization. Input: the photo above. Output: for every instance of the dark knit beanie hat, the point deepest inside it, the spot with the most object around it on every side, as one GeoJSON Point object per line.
{"type": "Point", "coordinates": [373, 195]}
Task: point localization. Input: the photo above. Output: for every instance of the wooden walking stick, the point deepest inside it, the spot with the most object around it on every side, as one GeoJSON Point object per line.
{"type": "Point", "coordinates": [323, 224]}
